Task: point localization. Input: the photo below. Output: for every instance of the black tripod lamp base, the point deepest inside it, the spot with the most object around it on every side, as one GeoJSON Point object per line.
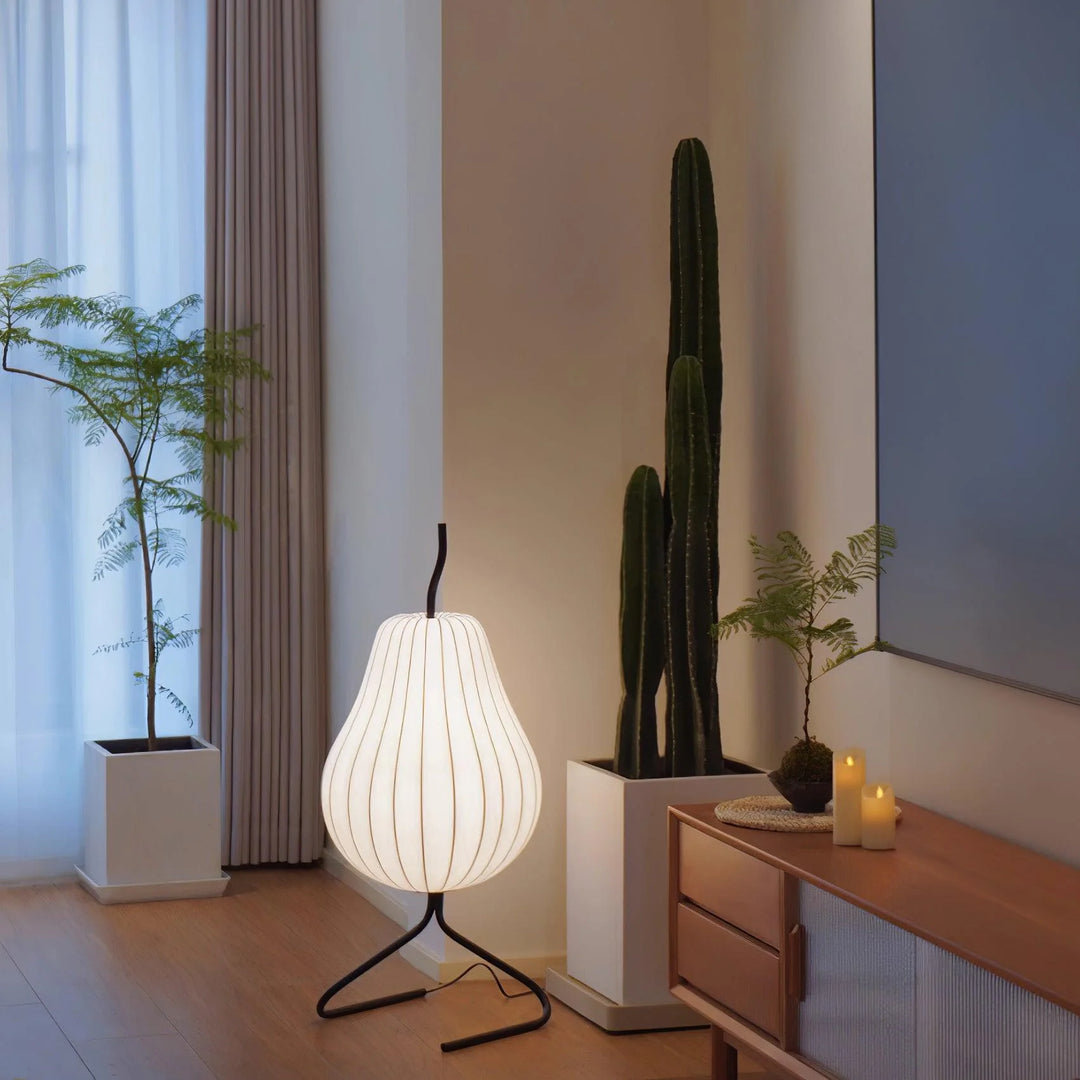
{"type": "Point", "coordinates": [435, 911]}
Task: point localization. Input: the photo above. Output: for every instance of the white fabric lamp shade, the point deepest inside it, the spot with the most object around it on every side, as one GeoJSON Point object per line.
{"type": "Point", "coordinates": [431, 785]}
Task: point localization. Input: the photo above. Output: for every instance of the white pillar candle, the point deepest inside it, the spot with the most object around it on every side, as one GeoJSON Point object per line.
{"type": "Point", "coordinates": [848, 778]}
{"type": "Point", "coordinates": [878, 817]}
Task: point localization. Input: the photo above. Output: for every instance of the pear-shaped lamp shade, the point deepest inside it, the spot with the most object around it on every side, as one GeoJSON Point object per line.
{"type": "Point", "coordinates": [431, 784]}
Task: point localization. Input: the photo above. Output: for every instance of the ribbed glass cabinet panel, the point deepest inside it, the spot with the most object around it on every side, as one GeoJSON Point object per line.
{"type": "Point", "coordinates": [858, 1019]}
{"type": "Point", "coordinates": [881, 1004]}
{"type": "Point", "coordinates": [974, 1026]}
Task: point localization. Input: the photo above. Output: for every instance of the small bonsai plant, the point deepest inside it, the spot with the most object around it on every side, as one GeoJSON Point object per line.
{"type": "Point", "coordinates": [146, 383]}
{"type": "Point", "coordinates": [790, 607]}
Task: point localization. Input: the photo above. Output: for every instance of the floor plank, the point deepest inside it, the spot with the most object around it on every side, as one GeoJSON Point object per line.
{"type": "Point", "coordinates": [72, 969]}
{"type": "Point", "coordinates": [14, 989]}
{"type": "Point", "coordinates": [32, 1047]}
{"type": "Point", "coordinates": [161, 1057]}
{"type": "Point", "coordinates": [225, 989]}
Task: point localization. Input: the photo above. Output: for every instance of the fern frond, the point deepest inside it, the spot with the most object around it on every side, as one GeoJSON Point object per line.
{"type": "Point", "coordinates": [124, 643]}
{"type": "Point", "coordinates": [168, 547]}
{"type": "Point", "coordinates": [177, 639]}
{"type": "Point", "coordinates": [114, 527]}
{"type": "Point", "coordinates": [837, 636]}
{"type": "Point", "coordinates": [175, 701]}
{"type": "Point", "coordinates": [847, 654]}
{"type": "Point", "coordinates": [115, 557]}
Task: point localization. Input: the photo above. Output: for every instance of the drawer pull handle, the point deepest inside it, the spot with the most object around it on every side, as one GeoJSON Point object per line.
{"type": "Point", "coordinates": [796, 962]}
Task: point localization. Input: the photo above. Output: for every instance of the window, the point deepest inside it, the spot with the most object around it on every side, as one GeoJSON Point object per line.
{"type": "Point", "coordinates": [102, 124]}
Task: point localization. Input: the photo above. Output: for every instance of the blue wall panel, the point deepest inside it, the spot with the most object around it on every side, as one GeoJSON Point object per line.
{"type": "Point", "coordinates": [978, 233]}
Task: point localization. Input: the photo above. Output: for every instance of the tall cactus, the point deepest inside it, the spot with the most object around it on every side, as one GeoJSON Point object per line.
{"type": "Point", "coordinates": [641, 625]}
{"type": "Point", "coordinates": [694, 330]}
{"type": "Point", "coordinates": [694, 387]}
{"type": "Point", "coordinates": [690, 653]}
{"type": "Point", "coordinates": [694, 322]}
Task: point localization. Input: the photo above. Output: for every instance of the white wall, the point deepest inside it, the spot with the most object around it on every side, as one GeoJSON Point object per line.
{"type": "Point", "coordinates": [380, 121]}
{"type": "Point", "coordinates": [380, 93]}
{"type": "Point", "coordinates": [792, 140]}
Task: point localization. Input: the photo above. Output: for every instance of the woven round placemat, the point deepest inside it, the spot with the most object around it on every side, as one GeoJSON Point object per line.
{"type": "Point", "coordinates": [774, 814]}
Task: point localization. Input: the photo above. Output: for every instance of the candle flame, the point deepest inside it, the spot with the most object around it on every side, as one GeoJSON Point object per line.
{"type": "Point", "coordinates": [849, 760]}
{"type": "Point", "coordinates": [880, 792]}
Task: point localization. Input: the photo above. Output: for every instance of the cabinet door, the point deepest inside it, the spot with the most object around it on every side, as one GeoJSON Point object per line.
{"type": "Point", "coordinates": [882, 1004]}
{"type": "Point", "coordinates": [858, 1017]}
{"type": "Point", "coordinates": [975, 1026]}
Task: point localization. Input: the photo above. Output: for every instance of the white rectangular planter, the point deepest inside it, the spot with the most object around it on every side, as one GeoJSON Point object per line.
{"type": "Point", "coordinates": [152, 822]}
{"type": "Point", "coordinates": [617, 884]}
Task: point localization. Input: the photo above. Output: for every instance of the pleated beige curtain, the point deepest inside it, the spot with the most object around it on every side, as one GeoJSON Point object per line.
{"type": "Point", "coordinates": [263, 652]}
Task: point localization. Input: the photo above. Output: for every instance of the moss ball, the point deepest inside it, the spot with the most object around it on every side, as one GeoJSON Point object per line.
{"type": "Point", "coordinates": [807, 761]}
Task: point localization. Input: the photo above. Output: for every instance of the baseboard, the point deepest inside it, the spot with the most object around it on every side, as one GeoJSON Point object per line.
{"type": "Point", "coordinates": [613, 1017]}
{"type": "Point", "coordinates": [416, 953]}
{"type": "Point", "coordinates": [143, 892]}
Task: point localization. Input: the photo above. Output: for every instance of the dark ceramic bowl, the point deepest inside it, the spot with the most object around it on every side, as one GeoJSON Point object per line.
{"type": "Point", "coordinates": [806, 797]}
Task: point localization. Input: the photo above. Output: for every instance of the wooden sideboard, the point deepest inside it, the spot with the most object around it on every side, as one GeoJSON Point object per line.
{"type": "Point", "coordinates": [955, 956]}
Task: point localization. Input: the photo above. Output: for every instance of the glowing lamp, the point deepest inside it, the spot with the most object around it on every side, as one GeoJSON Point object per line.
{"type": "Point", "coordinates": [431, 784]}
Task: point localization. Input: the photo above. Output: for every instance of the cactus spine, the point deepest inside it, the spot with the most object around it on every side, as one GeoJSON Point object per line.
{"type": "Point", "coordinates": [694, 387]}
{"type": "Point", "coordinates": [641, 625]}
{"type": "Point", "coordinates": [689, 581]}
{"type": "Point", "coordinates": [694, 330]}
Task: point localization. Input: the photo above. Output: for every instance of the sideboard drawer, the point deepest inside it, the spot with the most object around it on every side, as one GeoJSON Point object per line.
{"type": "Point", "coordinates": [734, 971]}
{"type": "Point", "coordinates": [736, 887]}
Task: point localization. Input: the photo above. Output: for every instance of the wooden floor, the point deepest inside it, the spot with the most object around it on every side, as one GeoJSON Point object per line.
{"type": "Point", "coordinates": [197, 989]}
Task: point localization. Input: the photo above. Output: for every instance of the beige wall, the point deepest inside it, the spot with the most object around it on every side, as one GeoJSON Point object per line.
{"type": "Point", "coordinates": [559, 122]}
{"type": "Point", "coordinates": [792, 138]}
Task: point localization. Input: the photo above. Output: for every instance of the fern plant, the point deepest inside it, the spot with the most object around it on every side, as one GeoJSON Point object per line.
{"type": "Point", "coordinates": [145, 383]}
{"type": "Point", "coordinates": [792, 605]}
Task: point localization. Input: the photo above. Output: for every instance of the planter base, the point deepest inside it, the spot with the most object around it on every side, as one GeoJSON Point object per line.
{"type": "Point", "coordinates": [615, 1018]}
{"type": "Point", "coordinates": [617, 876]}
{"type": "Point", "coordinates": [156, 890]}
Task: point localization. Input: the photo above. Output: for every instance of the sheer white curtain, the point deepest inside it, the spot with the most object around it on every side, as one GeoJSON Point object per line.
{"type": "Point", "coordinates": [102, 125]}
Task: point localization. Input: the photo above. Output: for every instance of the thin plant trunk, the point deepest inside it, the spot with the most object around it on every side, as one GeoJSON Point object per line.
{"type": "Point", "coordinates": [809, 679]}
{"type": "Point", "coordinates": [151, 641]}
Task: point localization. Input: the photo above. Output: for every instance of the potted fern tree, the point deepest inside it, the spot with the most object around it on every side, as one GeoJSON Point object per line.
{"type": "Point", "coordinates": [148, 384]}
{"type": "Point", "coordinates": [616, 808]}
{"type": "Point", "coordinates": [792, 606]}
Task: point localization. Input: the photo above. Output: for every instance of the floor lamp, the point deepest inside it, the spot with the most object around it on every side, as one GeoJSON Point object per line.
{"type": "Point", "coordinates": [431, 785]}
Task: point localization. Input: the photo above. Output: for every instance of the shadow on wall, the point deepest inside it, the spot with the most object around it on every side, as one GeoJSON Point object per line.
{"type": "Point", "coordinates": [774, 686]}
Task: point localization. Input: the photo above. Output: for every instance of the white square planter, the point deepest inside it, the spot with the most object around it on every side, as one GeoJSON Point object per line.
{"type": "Point", "coordinates": [152, 821]}
{"type": "Point", "coordinates": [617, 889]}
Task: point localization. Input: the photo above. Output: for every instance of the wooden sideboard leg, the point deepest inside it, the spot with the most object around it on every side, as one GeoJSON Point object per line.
{"type": "Point", "coordinates": [725, 1058]}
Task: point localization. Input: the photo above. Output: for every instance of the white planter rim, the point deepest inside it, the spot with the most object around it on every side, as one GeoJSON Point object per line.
{"type": "Point", "coordinates": [169, 744]}
{"type": "Point", "coordinates": [735, 768]}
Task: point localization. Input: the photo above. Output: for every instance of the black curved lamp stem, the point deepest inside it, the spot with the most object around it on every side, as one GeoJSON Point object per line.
{"type": "Point", "coordinates": [440, 562]}
{"type": "Point", "coordinates": [435, 910]}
